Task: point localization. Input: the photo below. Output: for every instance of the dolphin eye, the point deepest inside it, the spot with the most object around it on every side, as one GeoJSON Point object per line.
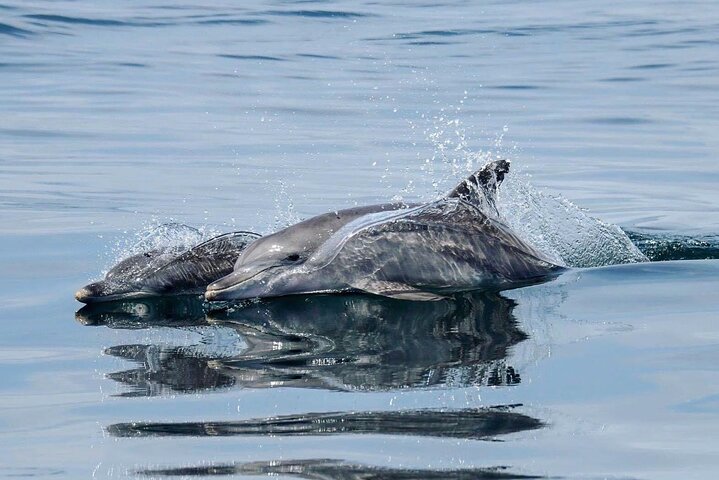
{"type": "Point", "coordinates": [293, 258]}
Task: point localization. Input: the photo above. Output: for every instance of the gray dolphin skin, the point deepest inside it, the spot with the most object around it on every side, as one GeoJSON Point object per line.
{"type": "Point", "coordinates": [169, 271]}
{"type": "Point", "coordinates": [415, 252]}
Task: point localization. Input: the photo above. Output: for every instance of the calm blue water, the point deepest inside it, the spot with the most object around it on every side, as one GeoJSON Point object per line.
{"type": "Point", "coordinates": [115, 116]}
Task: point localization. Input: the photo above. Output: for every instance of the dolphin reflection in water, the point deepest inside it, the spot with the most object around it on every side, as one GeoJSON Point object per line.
{"type": "Point", "coordinates": [352, 342]}
{"type": "Point", "coordinates": [326, 469]}
{"type": "Point", "coordinates": [468, 423]}
{"type": "Point", "coordinates": [362, 342]}
{"type": "Point", "coordinates": [335, 342]}
{"type": "Point", "coordinates": [170, 365]}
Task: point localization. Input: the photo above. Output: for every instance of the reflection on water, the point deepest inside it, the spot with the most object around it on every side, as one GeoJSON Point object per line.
{"type": "Point", "coordinates": [322, 469]}
{"type": "Point", "coordinates": [334, 342]}
{"type": "Point", "coordinates": [161, 369]}
{"type": "Point", "coordinates": [475, 424]}
{"type": "Point", "coordinates": [171, 311]}
{"type": "Point", "coordinates": [164, 371]}
{"type": "Point", "coordinates": [353, 342]}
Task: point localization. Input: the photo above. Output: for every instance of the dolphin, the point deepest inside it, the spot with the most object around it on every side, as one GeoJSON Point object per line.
{"type": "Point", "coordinates": [168, 271]}
{"type": "Point", "coordinates": [406, 251]}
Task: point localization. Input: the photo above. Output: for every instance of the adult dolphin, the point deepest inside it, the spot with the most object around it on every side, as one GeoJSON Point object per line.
{"type": "Point", "coordinates": [417, 252]}
{"type": "Point", "coordinates": [169, 271]}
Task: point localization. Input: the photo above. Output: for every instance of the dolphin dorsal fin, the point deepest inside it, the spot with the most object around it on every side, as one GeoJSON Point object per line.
{"type": "Point", "coordinates": [480, 188]}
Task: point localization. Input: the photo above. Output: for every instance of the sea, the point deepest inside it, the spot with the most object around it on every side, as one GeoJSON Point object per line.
{"type": "Point", "coordinates": [140, 123]}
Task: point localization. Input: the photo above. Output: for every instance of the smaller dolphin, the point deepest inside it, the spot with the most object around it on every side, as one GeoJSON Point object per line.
{"type": "Point", "coordinates": [168, 271]}
{"type": "Point", "coordinates": [416, 252]}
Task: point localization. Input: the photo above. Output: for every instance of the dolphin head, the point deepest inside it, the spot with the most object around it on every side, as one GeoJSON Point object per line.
{"type": "Point", "coordinates": [120, 281]}
{"type": "Point", "coordinates": [169, 271]}
{"type": "Point", "coordinates": [272, 281]}
{"type": "Point", "coordinates": [274, 265]}
{"type": "Point", "coordinates": [104, 291]}
{"type": "Point", "coordinates": [264, 259]}
{"type": "Point", "coordinates": [259, 270]}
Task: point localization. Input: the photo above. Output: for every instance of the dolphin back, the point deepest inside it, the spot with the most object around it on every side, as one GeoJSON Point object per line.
{"type": "Point", "coordinates": [193, 270]}
{"type": "Point", "coordinates": [138, 265]}
{"type": "Point", "coordinates": [442, 247]}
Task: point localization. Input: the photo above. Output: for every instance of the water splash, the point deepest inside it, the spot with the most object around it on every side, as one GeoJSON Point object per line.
{"type": "Point", "coordinates": [552, 224]}
{"type": "Point", "coordinates": [285, 214]}
{"type": "Point", "coordinates": [170, 237]}
{"type": "Point", "coordinates": [452, 157]}
{"type": "Point", "coordinates": [562, 230]}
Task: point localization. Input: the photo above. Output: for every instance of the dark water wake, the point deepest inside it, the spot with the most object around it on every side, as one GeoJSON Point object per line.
{"type": "Point", "coordinates": [661, 247]}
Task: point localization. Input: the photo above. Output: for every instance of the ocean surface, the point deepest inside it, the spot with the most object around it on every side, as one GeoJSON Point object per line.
{"type": "Point", "coordinates": [119, 117]}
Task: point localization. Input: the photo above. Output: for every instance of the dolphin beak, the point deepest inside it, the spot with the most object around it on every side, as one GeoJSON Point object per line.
{"type": "Point", "coordinates": [233, 286]}
{"type": "Point", "coordinates": [220, 289]}
{"type": "Point", "coordinates": [100, 291]}
{"type": "Point", "coordinates": [89, 293]}
{"type": "Point", "coordinates": [211, 295]}
{"type": "Point", "coordinates": [83, 295]}
{"type": "Point", "coordinates": [84, 317]}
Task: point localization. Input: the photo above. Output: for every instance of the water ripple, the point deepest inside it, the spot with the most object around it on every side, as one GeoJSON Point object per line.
{"type": "Point", "coordinates": [44, 19]}
{"type": "Point", "coordinates": [518, 87]}
{"type": "Point", "coordinates": [317, 13]}
{"type": "Point", "coordinates": [251, 57]}
{"type": "Point", "coordinates": [653, 66]}
{"type": "Point", "coordinates": [662, 247]}
{"type": "Point", "coordinates": [233, 21]}
{"type": "Point", "coordinates": [6, 29]}
{"type": "Point", "coordinates": [81, 20]}
{"type": "Point", "coordinates": [519, 31]}
{"type": "Point", "coordinates": [331, 14]}
{"type": "Point", "coordinates": [618, 120]}
{"type": "Point", "coordinates": [318, 56]}
{"type": "Point", "coordinates": [623, 79]}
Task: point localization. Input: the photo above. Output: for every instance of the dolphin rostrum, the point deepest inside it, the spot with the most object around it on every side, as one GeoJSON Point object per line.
{"type": "Point", "coordinates": [457, 243]}
{"type": "Point", "coordinates": [169, 271]}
